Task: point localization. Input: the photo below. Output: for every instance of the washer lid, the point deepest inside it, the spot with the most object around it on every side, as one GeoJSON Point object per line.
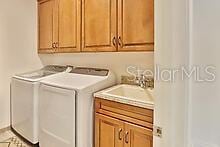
{"type": "Point", "coordinates": [41, 73]}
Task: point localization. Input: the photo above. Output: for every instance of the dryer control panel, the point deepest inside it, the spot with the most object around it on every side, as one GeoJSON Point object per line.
{"type": "Point", "coordinates": [90, 71]}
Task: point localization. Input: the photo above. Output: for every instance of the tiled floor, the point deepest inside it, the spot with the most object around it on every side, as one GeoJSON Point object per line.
{"type": "Point", "coordinates": [9, 139]}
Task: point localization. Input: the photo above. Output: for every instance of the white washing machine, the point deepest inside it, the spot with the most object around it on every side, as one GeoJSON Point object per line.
{"type": "Point", "coordinates": [24, 101]}
{"type": "Point", "coordinates": [66, 107]}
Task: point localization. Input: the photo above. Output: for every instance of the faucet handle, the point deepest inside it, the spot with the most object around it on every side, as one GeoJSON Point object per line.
{"type": "Point", "coordinates": [150, 82]}
{"type": "Point", "coordinates": [140, 80]}
{"type": "Point", "coordinates": [143, 77]}
{"type": "Point", "coordinates": [137, 80]}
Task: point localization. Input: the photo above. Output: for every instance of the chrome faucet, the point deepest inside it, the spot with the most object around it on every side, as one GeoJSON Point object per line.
{"type": "Point", "coordinates": [144, 82]}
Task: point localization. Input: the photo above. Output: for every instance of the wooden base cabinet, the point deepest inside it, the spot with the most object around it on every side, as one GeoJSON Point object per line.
{"type": "Point", "coordinates": [109, 131]}
{"type": "Point", "coordinates": [137, 136]}
{"type": "Point", "coordinates": [119, 127]}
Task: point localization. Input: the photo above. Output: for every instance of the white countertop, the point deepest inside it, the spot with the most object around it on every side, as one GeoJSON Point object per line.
{"type": "Point", "coordinates": [128, 94]}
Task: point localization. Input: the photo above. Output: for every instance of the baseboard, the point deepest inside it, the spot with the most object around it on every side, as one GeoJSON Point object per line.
{"type": "Point", "coordinates": [5, 129]}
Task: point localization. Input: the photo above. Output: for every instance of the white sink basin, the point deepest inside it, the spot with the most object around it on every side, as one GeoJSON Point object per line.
{"type": "Point", "coordinates": [129, 94]}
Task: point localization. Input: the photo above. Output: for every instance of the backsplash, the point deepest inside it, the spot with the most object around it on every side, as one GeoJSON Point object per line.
{"type": "Point", "coordinates": [117, 62]}
{"type": "Point", "coordinates": [133, 80]}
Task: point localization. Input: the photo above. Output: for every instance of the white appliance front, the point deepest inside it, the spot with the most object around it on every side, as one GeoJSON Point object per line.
{"type": "Point", "coordinates": [24, 100]}
{"type": "Point", "coordinates": [57, 117]}
{"type": "Point", "coordinates": [56, 94]}
{"type": "Point", "coordinates": [24, 108]}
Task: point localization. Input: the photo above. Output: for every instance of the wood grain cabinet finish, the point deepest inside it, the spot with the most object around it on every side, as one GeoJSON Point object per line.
{"type": "Point", "coordinates": [109, 131]}
{"type": "Point", "coordinates": [59, 26]}
{"type": "Point", "coordinates": [46, 26]}
{"type": "Point", "coordinates": [118, 25]}
{"type": "Point", "coordinates": [137, 136]}
{"type": "Point", "coordinates": [136, 25]}
{"type": "Point", "coordinates": [95, 25]}
{"type": "Point", "coordinates": [99, 25]}
{"type": "Point", "coordinates": [69, 26]}
{"type": "Point", "coordinates": [121, 125]}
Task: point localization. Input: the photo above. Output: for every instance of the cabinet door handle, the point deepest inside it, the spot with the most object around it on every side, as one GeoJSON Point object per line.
{"type": "Point", "coordinates": [120, 43]}
{"type": "Point", "coordinates": [120, 134]}
{"type": "Point", "coordinates": [54, 45]}
{"type": "Point", "coordinates": [114, 41]}
{"type": "Point", "coordinates": [126, 137]}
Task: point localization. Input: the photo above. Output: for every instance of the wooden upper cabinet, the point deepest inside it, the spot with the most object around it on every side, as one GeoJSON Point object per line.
{"type": "Point", "coordinates": [68, 26]}
{"type": "Point", "coordinates": [109, 132]}
{"type": "Point", "coordinates": [136, 25]}
{"type": "Point", "coordinates": [59, 26]}
{"type": "Point", "coordinates": [46, 29]}
{"type": "Point", "coordinates": [95, 25]}
{"type": "Point", "coordinates": [99, 25]}
{"type": "Point", "coordinates": [137, 136]}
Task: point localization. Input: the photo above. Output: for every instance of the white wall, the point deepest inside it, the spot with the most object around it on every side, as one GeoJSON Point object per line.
{"type": "Point", "coordinates": [187, 33]}
{"type": "Point", "coordinates": [17, 47]}
{"type": "Point", "coordinates": [172, 51]}
{"type": "Point", "coordinates": [205, 97]}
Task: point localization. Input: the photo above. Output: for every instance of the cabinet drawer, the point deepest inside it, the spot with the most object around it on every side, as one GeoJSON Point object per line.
{"type": "Point", "coordinates": [132, 114]}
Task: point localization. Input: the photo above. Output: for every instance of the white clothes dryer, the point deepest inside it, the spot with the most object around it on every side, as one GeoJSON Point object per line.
{"type": "Point", "coordinates": [66, 107]}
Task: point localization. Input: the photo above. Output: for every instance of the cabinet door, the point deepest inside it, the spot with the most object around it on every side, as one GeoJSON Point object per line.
{"type": "Point", "coordinates": [137, 136]}
{"type": "Point", "coordinates": [108, 131]}
{"type": "Point", "coordinates": [69, 26]}
{"type": "Point", "coordinates": [46, 20]}
{"type": "Point", "coordinates": [99, 25]}
{"type": "Point", "coordinates": [136, 25]}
